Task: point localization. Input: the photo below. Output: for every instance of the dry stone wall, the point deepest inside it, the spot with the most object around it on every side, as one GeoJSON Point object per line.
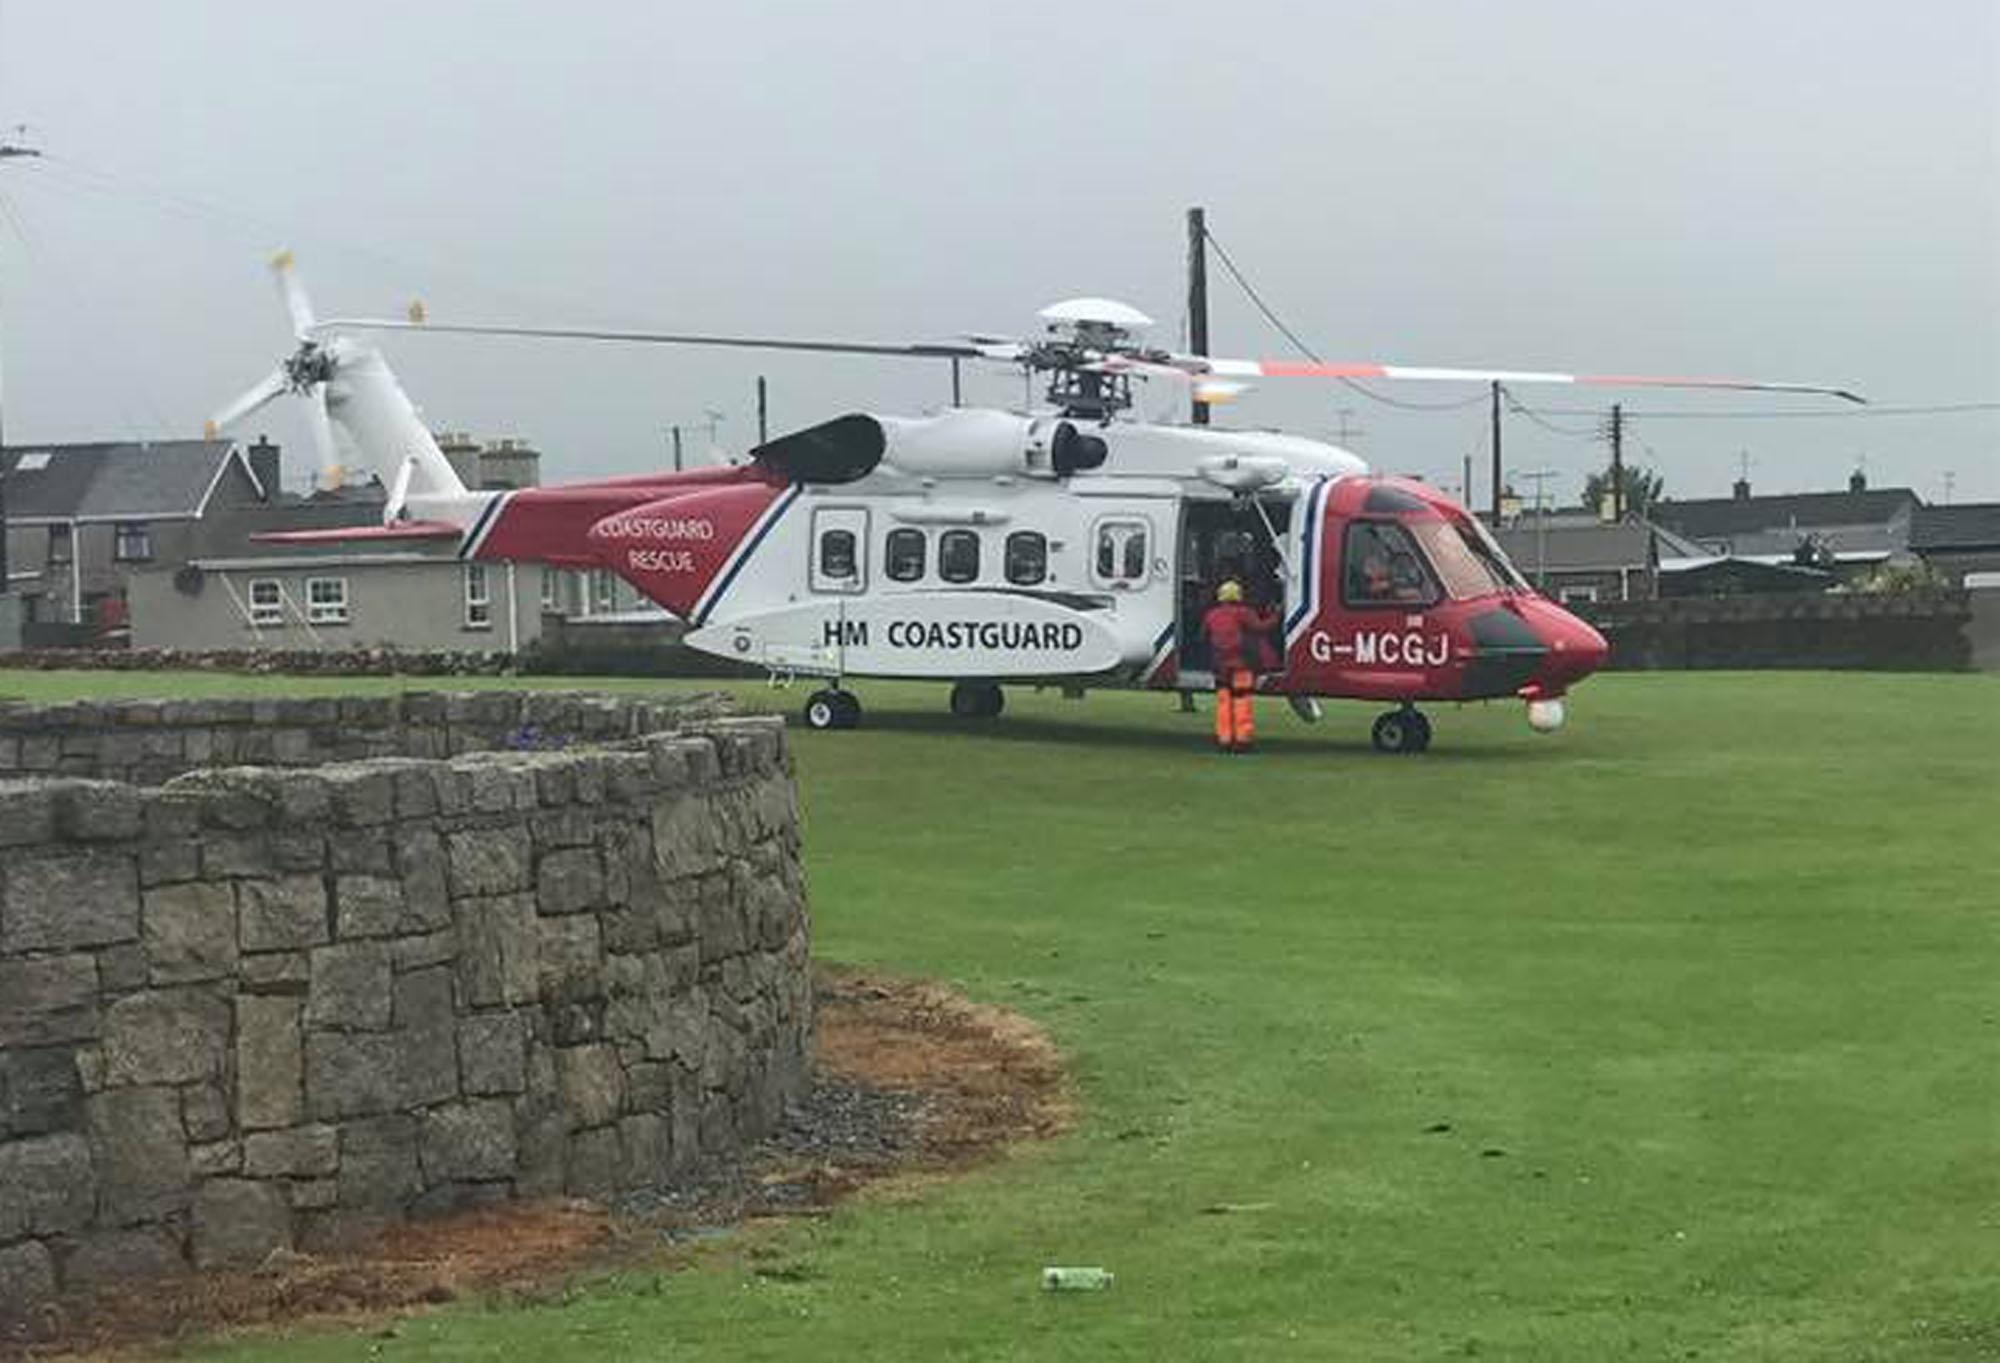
{"type": "Point", "coordinates": [150, 741]}
{"type": "Point", "coordinates": [260, 1008]}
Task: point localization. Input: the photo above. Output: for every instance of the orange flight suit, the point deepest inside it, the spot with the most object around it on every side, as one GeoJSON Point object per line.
{"type": "Point", "coordinates": [1237, 642]}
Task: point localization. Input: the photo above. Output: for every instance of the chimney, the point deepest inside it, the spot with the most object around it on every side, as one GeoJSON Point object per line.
{"type": "Point", "coordinates": [1742, 489]}
{"type": "Point", "coordinates": [264, 463]}
{"type": "Point", "coordinates": [1857, 481]}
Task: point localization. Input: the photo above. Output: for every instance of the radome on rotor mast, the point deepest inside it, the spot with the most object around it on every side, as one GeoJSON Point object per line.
{"type": "Point", "coordinates": [981, 546]}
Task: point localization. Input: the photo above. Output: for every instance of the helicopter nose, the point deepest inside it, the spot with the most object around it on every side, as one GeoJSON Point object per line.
{"type": "Point", "coordinates": [1575, 650]}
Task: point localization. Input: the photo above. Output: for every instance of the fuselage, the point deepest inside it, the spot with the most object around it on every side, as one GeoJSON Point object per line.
{"type": "Point", "coordinates": [988, 545]}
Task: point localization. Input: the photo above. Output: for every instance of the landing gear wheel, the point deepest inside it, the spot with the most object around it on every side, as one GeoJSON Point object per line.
{"type": "Point", "coordinates": [850, 709]}
{"type": "Point", "coordinates": [977, 700]}
{"type": "Point", "coordinates": [1402, 731]}
{"type": "Point", "coordinates": [832, 709]}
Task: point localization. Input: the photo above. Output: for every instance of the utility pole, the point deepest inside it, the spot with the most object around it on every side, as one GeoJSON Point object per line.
{"type": "Point", "coordinates": [1497, 476]}
{"type": "Point", "coordinates": [1197, 295]}
{"type": "Point", "coordinates": [1348, 431]}
{"type": "Point", "coordinates": [763, 413]}
{"type": "Point", "coordinates": [9, 151]}
{"type": "Point", "coordinates": [677, 447]}
{"type": "Point", "coordinates": [1465, 484]}
{"type": "Point", "coordinates": [1617, 463]}
{"type": "Point", "coordinates": [1540, 478]}
{"type": "Point", "coordinates": [955, 399]}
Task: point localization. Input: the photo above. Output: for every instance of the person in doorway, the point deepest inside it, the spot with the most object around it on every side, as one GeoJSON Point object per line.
{"type": "Point", "coordinates": [1239, 645]}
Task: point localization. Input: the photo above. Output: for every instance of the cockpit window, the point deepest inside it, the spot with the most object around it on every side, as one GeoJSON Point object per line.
{"type": "Point", "coordinates": [1381, 567]}
{"type": "Point", "coordinates": [1482, 543]}
{"type": "Point", "coordinates": [1460, 561]}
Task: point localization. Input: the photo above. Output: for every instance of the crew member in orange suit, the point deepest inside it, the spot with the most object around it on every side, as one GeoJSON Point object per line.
{"type": "Point", "coordinates": [1239, 647]}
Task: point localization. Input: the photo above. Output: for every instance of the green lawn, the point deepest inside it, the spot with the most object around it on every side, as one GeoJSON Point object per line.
{"type": "Point", "coordinates": [1706, 988]}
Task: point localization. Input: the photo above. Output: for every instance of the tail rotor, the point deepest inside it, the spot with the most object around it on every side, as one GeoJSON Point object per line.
{"type": "Point", "coordinates": [305, 372]}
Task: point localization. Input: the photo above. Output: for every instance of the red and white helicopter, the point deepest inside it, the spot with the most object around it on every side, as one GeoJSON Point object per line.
{"type": "Point", "coordinates": [982, 546]}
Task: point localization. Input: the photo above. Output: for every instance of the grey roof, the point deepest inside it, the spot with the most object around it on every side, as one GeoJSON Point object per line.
{"type": "Point", "coordinates": [1717, 517]}
{"type": "Point", "coordinates": [122, 480]}
{"type": "Point", "coordinates": [1969, 525]}
{"type": "Point", "coordinates": [1573, 547]}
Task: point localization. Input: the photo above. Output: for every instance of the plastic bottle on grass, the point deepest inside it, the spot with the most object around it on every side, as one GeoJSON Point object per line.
{"type": "Point", "coordinates": [1076, 1279]}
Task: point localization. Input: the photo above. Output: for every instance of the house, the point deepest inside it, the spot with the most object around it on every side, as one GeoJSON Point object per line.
{"type": "Point", "coordinates": [1849, 531]}
{"type": "Point", "coordinates": [240, 592]}
{"type": "Point", "coordinates": [1957, 540]}
{"type": "Point", "coordinates": [1577, 557]}
{"type": "Point", "coordinates": [81, 519]}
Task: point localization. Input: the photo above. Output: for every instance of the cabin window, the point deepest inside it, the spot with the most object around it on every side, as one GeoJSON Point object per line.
{"type": "Point", "coordinates": [958, 556]}
{"type": "Point", "coordinates": [903, 555]}
{"type": "Point", "coordinates": [1381, 567]}
{"type": "Point", "coordinates": [267, 602]}
{"type": "Point", "coordinates": [326, 600]}
{"type": "Point", "coordinates": [133, 542]}
{"type": "Point", "coordinates": [1027, 558]}
{"type": "Point", "coordinates": [836, 555]}
{"type": "Point", "coordinates": [478, 598]}
{"type": "Point", "coordinates": [1121, 552]}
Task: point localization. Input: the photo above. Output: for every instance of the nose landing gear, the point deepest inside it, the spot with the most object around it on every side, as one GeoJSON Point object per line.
{"type": "Point", "coordinates": [1404, 730]}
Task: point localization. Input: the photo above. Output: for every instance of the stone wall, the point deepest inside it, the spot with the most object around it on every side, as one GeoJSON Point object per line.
{"type": "Point", "coordinates": [257, 1008]}
{"type": "Point", "coordinates": [149, 741]}
{"type": "Point", "coordinates": [1913, 632]}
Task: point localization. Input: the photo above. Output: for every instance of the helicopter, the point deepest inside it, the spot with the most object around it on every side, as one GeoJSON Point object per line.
{"type": "Point", "coordinates": [1069, 545]}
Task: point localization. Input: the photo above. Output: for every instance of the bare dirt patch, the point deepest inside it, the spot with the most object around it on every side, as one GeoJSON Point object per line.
{"type": "Point", "coordinates": [912, 1080]}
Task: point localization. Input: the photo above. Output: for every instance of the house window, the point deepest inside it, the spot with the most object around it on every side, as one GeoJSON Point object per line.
{"type": "Point", "coordinates": [1584, 594]}
{"type": "Point", "coordinates": [1121, 552]}
{"type": "Point", "coordinates": [549, 580]}
{"type": "Point", "coordinates": [603, 591]}
{"type": "Point", "coordinates": [958, 556]}
{"type": "Point", "coordinates": [478, 601]}
{"type": "Point", "coordinates": [903, 555]}
{"type": "Point", "coordinates": [133, 542]}
{"type": "Point", "coordinates": [267, 602]}
{"type": "Point", "coordinates": [326, 600]}
{"type": "Point", "coordinates": [1027, 558]}
{"type": "Point", "coordinates": [61, 543]}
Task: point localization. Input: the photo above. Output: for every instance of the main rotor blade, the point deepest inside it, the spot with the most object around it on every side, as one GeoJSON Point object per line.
{"type": "Point", "coordinates": [1281, 369]}
{"type": "Point", "coordinates": [294, 292]}
{"type": "Point", "coordinates": [927, 352]}
{"type": "Point", "coordinates": [272, 385]}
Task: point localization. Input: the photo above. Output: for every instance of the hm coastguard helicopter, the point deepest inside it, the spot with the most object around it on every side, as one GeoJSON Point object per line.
{"type": "Point", "coordinates": [979, 547]}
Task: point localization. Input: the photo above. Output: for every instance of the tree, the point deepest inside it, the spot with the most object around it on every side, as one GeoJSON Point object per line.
{"type": "Point", "coordinates": [1642, 488]}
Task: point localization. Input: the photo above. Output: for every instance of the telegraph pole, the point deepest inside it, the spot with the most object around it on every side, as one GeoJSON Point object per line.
{"type": "Point", "coordinates": [1197, 295]}
{"type": "Point", "coordinates": [763, 412]}
{"type": "Point", "coordinates": [677, 447]}
{"type": "Point", "coordinates": [1617, 463]}
{"type": "Point", "coordinates": [1497, 476]}
{"type": "Point", "coordinates": [9, 151]}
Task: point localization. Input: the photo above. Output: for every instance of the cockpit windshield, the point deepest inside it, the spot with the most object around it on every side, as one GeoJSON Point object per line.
{"type": "Point", "coordinates": [1467, 560]}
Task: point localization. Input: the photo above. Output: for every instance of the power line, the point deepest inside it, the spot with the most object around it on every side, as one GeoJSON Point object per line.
{"type": "Point", "coordinates": [1514, 404]}
{"type": "Point", "coordinates": [1257, 299]}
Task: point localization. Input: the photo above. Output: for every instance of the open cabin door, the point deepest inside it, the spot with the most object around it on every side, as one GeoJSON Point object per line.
{"type": "Point", "coordinates": [1223, 540]}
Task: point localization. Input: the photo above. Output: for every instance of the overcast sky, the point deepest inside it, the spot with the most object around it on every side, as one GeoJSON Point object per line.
{"type": "Point", "coordinates": [1787, 189]}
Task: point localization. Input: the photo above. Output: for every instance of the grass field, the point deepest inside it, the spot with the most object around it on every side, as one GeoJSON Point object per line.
{"type": "Point", "coordinates": [1676, 1035]}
